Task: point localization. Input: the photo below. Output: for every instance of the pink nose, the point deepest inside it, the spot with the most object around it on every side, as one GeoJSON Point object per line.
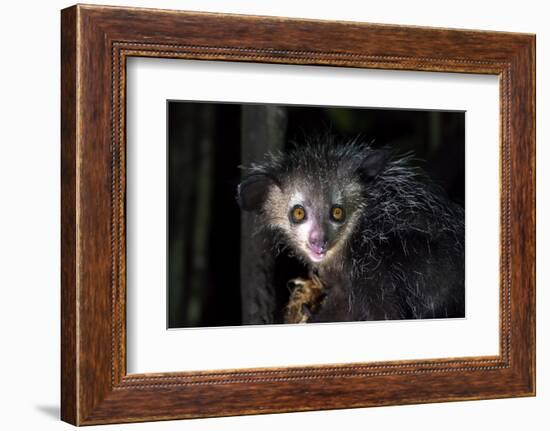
{"type": "Point", "coordinates": [317, 242]}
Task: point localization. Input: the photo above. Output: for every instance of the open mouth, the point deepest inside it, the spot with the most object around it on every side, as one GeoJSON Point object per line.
{"type": "Point", "coordinates": [317, 254]}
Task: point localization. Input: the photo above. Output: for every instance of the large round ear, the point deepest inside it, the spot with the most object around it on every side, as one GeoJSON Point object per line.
{"type": "Point", "coordinates": [373, 163]}
{"type": "Point", "coordinates": [252, 192]}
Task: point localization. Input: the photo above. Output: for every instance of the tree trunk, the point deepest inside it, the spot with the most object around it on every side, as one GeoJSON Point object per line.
{"type": "Point", "coordinates": [262, 130]}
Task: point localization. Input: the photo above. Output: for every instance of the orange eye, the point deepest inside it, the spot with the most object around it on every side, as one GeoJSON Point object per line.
{"type": "Point", "coordinates": [337, 213]}
{"type": "Point", "coordinates": [298, 214]}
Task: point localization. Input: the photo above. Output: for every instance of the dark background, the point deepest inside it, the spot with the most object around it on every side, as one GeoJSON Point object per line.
{"type": "Point", "coordinates": [206, 144]}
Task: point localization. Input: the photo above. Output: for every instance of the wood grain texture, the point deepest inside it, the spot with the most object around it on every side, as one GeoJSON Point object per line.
{"type": "Point", "coordinates": [69, 364]}
{"type": "Point", "coordinates": [96, 41]}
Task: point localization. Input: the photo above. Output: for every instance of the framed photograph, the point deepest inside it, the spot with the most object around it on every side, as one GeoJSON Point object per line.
{"type": "Point", "coordinates": [265, 215]}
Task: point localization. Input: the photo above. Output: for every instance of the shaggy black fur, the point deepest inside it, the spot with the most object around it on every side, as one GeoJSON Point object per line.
{"type": "Point", "coordinates": [403, 256]}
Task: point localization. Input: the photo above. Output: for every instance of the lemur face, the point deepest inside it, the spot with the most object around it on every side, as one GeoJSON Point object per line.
{"type": "Point", "coordinates": [314, 197]}
{"type": "Point", "coordinates": [315, 216]}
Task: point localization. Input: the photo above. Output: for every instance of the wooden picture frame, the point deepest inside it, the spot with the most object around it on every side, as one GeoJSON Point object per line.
{"type": "Point", "coordinates": [95, 43]}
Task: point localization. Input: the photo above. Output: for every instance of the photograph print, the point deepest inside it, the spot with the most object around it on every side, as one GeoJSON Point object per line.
{"type": "Point", "coordinates": [284, 214]}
